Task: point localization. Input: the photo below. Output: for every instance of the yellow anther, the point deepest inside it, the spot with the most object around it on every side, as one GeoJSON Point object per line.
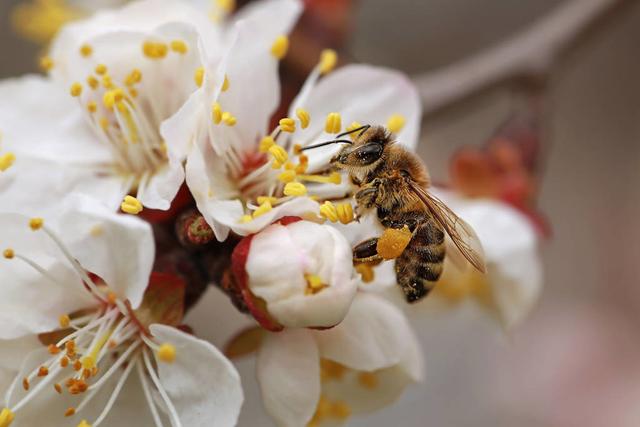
{"type": "Point", "coordinates": [92, 107]}
{"type": "Point", "coordinates": [6, 417]}
{"type": "Point", "coordinates": [287, 176]}
{"type": "Point", "coordinates": [270, 199]}
{"type": "Point", "coordinates": [8, 253]}
{"type": "Point", "coordinates": [88, 362]}
{"type": "Point", "coordinates": [46, 63]}
{"type": "Point", "coordinates": [110, 98]}
{"type": "Point", "coordinates": [135, 76]}
{"type": "Point", "coordinates": [76, 89]}
{"type": "Point", "coordinates": [266, 143]}
{"type": "Point", "coordinates": [331, 370]}
{"type": "Point", "coordinates": [295, 189]}
{"type": "Point", "coordinates": [36, 223]}
{"type": "Point", "coordinates": [133, 92]}
{"type": "Point", "coordinates": [6, 161]}
{"type": "Point", "coordinates": [328, 60]}
{"type": "Point", "coordinates": [304, 117]}
{"type": "Point", "coordinates": [64, 321]}
{"type": "Point", "coordinates": [393, 241]}
{"type": "Point", "coordinates": [262, 209]}
{"type": "Point", "coordinates": [333, 124]}
{"type": "Point", "coordinates": [340, 410]}
{"type": "Point", "coordinates": [289, 166]}
{"type": "Point", "coordinates": [216, 113]}
{"type": "Point", "coordinates": [70, 412]}
{"type": "Point", "coordinates": [84, 423]}
{"type": "Point", "coordinates": [104, 123]}
{"type": "Point", "coordinates": [179, 46]}
{"type": "Point", "coordinates": [25, 384]}
{"type": "Point", "coordinates": [93, 82]}
{"type": "Point", "coordinates": [366, 272]}
{"type": "Point", "coordinates": [280, 47]}
{"type": "Point", "coordinates": [167, 353]}
{"type": "Point", "coordinates": [107, 82]}
{"type": "Point", "coordinates": [246, 218]}
{"type": "Point", "coordinates": [396, 123]}
{"type": "Point", "coordinates": [351, 127]}
{"type": "Point", "coordinates": [368, 380]}
{"type": "Point", "coordinates": [225, 83]}
{"type": "Point", "coordinates": [329, 211]}
{"type": "Point", "coordinates": [228, 119]}
{"type": "Point", "coordinates": [333, 178]}
{"type": "Point", "coordinates": [345, 212]}
{"type": "Point", "coordinates": [86, 50]}
{"type": "Point", "coordinates": [131, 205]}
{"type": "Point", "coordinates": [314, 284]}
{"type": "Point", "coordinates": [101, 69]}
{"type": "Point", "coordinates": [43, 371]}
{"type": "Point", "coordinates": [198, 76]}
{"type": "Point", "coordinates": [279, 154]}
{"type": "Point", "coordinates": [287, 125]}
{"type": "Point", "coordinates": [226, 5]}
{"type": "Point", "coordinates": [154, 50]}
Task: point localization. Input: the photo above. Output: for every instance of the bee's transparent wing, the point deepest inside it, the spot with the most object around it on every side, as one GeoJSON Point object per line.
{"type": "Point", "coordinates": [461, 233]}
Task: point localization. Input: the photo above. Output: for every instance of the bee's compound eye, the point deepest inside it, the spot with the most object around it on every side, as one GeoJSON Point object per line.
{"type": "Point", "coordinates": [369, 153]}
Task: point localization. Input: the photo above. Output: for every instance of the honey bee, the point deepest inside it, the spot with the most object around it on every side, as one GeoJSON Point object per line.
{"type": "Point", "coordinates": [394, 182]}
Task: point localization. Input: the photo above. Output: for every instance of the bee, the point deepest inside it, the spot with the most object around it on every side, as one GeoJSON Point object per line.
{"type": "Point", "coordinates": [394, 182]}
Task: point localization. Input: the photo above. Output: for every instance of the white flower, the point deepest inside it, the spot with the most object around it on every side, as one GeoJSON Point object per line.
{"type": "Point", "coordinates": [244, 176]}
{"type": "Point", "coordinates": [127, 70]}
{"type": "Point", "coordinates": [301, 270]}
{"type": "Point", "coordinates": [513, 281]}
{"type": "Point", "coordinates": [364, 363]}
{"type": "Point", "coordinates": [86, 289]}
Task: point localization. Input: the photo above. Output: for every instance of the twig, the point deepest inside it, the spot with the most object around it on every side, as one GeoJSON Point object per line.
{"type": "Point", "coordinates": [528, 54]}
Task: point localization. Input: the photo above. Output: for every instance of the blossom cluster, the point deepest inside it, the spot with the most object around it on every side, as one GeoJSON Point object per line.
{"type": "Point", "coordinates": [148, 160]}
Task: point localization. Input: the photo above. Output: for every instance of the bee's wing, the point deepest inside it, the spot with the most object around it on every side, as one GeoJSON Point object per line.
{"type": "Point", "coordinates": [461, 233]}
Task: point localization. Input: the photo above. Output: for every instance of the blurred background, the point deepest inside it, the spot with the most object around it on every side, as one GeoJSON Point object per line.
{"type": "Point", "coordinates": [576, 360]}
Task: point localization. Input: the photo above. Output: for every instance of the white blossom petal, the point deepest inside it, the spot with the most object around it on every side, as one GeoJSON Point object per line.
{"type": "Point", "coordinates": [288, 370]}
{"type": "Point", "coordinates": [202, 384]}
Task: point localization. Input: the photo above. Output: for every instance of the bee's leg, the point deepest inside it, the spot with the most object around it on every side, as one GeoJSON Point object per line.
{"type": "Point", "coordinates": [367, 251]}
{"type": "Point", "coordinates": [365, 199]}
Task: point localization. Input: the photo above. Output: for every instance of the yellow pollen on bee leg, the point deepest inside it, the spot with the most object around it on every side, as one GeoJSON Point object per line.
{"type": "Point", "coordinates": [262, 209]}
{"type": "Point", "coordinates": [36, 223]}
{"type": "Point", "coordinates": [287, 125]}
{"type": "Point", "coordinates": [393, 242]}
{"type": "Point", "coordinates": [6, 417]}
{"type": "Point", "coordinates": [216, 113]}
{"type": "Point", "coordinates": [131, 205]}
{"type": "Point", "coordinates": [198, 76]}
{"type": "Point", "coordinates": [333, 123]}
{"type": "Point", "coordinates": [76, 89]}
{"type": "Point", "coordinates": [225, 84]}
{"type": "Point", "coordinates": [101, 69]}
{"type": "Point", "coordinates": [167, 353]}
{"type": "Point", "coordinates": [304, 117]}
{"type": "Point", "coordinates": [228, 119]}
{"type": "Point", "coordinates": [179, 46]}
{"type": "Point", "coordinates": [328, 60]}
{"type": "Point", "coordinates": [396, 123]}
{"type": "Point", "coordinates": [280, 47]}
{"type": "Point", "coordinates": [366, 272]}
{"type": "Point", "coordinates": [6, 161]}
{"type": "Point", "coordinates": [295, 189]}
{"type": "Point", "coordinates": [86, 50]}
{"type": "Point", "coordinates": [266, 143]}
{"type": "Point", "coordinates": [8, 253]}
{"type": "Point", "coordinates": [279, 154]}
{"type": "Point", "coordinates": [46, 63]}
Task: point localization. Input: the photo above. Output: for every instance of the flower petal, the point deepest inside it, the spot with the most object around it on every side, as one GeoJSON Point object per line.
{"type": "Point", "coordinates": [374, 335]}
{"type": "Point", "coordinates": [288, 370]}
{"type": "Point", "coordinates": [163, 185]}
{"type": "Point", "coordinates": [363, 94]}
{"type": "Point", "coordinates": [202, 384]}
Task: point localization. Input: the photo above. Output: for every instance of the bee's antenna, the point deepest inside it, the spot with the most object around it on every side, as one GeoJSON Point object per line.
{"type": "Point", "coordinates": [362, 130]}
{"type": "Point", "coordinates": [322, 144]}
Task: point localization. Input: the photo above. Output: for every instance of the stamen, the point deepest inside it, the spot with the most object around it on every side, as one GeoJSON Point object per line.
{"type": "Point", "coordinates": [147, 394]}
{"type": "Point", "coordinates": [295, 189]}
{"type": "Point", "coordinates": [46, 63]}
{"type": "Point", "coordinates": [287, 176]}
{"type": "Point", "coordinates": [76, 89]}
{"type": "Point", "coordinates": [36, 223]}
{"type": "Point", "coordinates": [287, 125]}
{"type": "Point", "coordinates": [64, 321]}
{"type": "Point", "coordinates": [396, 123]}
{"type": "Point", "coordinates": [340, 410]}
{"type": "Point", "coordinates": [70, 412]}
{"type": "Point", "coordinates": [333, 178]}
{"type": "Point", "coordinates": [351, 128]}
{"type": "Point", "coordinates": [167, 353]}
{"type": "Point", "coordinates": [228, 119]}
{"type": "Point", "coordinates": [6, 161]}
{"type": "Point", "coordinates": [131, 205]}
{"type": "Point", "coordinates": [279, 154]}
{"type": "Point", "coordinates": [262, 209]}
{"type": "Point", "coordinates": [304, 117]}
{"type": "Point", "coordinates": [86, 50]}
{"type": "Point", "coordinates": [154, 50]}
{"type": "Point", "coordinates": [58, 388]}
{"type": "Point", "coordinates": [6, 417]}
{"type": "Point", "coordinates": [333, 124]}
{"type": "Point", "coordinates": [345, 212]}
{"type": "Point", "coordinates": [179, 46]}
{"type": "Point", "coordinates": [225, 84]}
{"type": "Point", "coordinates": [329, 211]}
{"type": "Point", "coordinates": [9, 253]}
{"type": "Point", "coordinates": [84, 423]}
{"type": "Point", "coordinates": [328, 60]}
{"type": "Point", "coordinates": [92, 107]}
{"type": "Point", "coordinates": [114, 395]}
{"type": "Point", "coordinates": [266, 143]}
{"type": "Point", "coordinates": [101, 69]}
{"type": "Point", "coordinates": [25, 384]}
{"type": "Point", "coordinates": [270, 199]}
{"type": "Point", "coordinates": [135, 76]}
{"type": "Point", "coordinates": [198, 76]}
{"type": "Point", "coordinates": [280, 47]}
